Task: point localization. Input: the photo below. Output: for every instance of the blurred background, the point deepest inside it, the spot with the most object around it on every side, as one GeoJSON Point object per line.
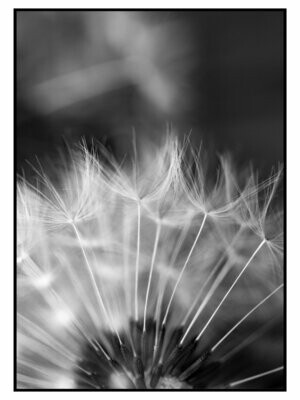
{"type": "Point", "coordinates": [218, 75]}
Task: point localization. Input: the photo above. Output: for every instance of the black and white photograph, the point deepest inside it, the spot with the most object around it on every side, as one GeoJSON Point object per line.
{"type": "Point", "coordinates": [150, 191]}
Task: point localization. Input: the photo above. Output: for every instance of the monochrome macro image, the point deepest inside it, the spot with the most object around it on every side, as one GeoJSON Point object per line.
{"type": "Point", "coordinates": [150, 199]}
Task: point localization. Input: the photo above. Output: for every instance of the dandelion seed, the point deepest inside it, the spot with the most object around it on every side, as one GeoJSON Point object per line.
{"type": "Point", "coordinates": [144, 275]}
{"type": "Point", "coordinates": [251, 378]}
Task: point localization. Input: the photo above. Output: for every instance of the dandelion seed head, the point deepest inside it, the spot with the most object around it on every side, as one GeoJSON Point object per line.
{"type": "Point", "coordinates": [143, 274]}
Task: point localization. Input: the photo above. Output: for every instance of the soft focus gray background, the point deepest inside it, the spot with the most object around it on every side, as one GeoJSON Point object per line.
{"type": "Point", "coordinates": [219, 74]}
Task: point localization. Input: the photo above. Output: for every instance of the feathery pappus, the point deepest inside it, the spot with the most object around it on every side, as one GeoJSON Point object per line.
{"type": "Point", "coordinates": [147, 274]}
